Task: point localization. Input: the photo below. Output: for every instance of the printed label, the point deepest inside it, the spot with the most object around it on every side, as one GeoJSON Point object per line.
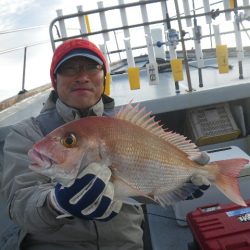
{"type": "Point", "coordinates": [153, 75]}
{"type": "Point", "coordinates": [210, 209]}
{"type": "Point", "coordinates": [238, 212]}
{"type": "Point", "coordinates": [244, 218]}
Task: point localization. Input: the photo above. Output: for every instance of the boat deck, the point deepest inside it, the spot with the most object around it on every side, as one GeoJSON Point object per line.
{"type": "Point", "coordinates": [165, 232]}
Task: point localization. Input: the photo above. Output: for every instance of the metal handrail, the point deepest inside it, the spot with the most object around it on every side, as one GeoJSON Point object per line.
{"type": "Point", "coordinates": [23, 90]}
{"type": "Point", "coordinates": [22, 29]}
{"type": "Point", "coordinates": [53, 40]}
{"type": "Point", "coordinates": [84, 13]}
{"type": "Point", "coordinates": [23, 47]}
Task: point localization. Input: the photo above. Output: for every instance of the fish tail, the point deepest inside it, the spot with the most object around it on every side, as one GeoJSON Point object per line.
{"type": "Point", "coordinates": [226, 179]}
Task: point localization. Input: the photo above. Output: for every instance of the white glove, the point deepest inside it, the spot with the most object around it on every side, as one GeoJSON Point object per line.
{"type": "Point", "coordinates": [200, 182]}
{"type": "Point", "coordinates": [90, 196]}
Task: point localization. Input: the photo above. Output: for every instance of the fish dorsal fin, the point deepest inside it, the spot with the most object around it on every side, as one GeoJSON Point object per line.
{"type": "Point", "coordinates": [146, 120]}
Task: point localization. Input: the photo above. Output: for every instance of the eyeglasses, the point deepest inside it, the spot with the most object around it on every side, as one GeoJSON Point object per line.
{"type": "Point", "coordinates": [72, 68]}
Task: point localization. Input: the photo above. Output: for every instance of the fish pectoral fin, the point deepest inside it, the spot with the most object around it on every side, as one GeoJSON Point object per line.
{"type": "Point", "coordinates": [131, 201]}
{"type": "Point", "coordinates": [139, 200]}
{"type": "Point", "coordinates": [173, 196]}
{"type": "Point", "coordinates": [144, 199]}
{"type": "Point", "coordinates": [124, 189]}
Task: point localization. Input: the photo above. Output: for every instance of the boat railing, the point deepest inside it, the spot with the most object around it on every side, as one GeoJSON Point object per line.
{"type": "Point", "coordinates": [25, 49]}
{"type": "Point", "coordinates": [58, 31]}
{"type": "Point", "coordinates": [171, 38]}
{"type": "Point", "coordinates": [85, 30]}
{"type": "Point", "coordinates": [101, 11]}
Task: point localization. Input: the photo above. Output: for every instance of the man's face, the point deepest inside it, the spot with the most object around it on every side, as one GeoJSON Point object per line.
{"type": "Point", "coordinates": [80, 82]}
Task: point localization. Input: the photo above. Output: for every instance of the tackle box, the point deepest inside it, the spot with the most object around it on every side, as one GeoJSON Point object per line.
{"type": "Point", "coordinates": [220, 227]}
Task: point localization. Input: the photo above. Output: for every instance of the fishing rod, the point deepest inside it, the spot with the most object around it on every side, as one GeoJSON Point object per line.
{"type": "Point", "coordinates": [196, 36]}
{"type": "Point", "coordinates": [106, 39]}
{"type": "Point", "coordinates": [164, 216]}
{"type": "Point", "coordinates": [190, 89]}
{"type": "Point", "coordinates": [239, 47]}
{"type": "Point", "coordinates": [172, 40]}
{"type": "Point", "coordinates": [132, 71]}
{"type": "Point", "coordinates": [197, 45]}
{"type": "Point", "coordinates": [152, 66]}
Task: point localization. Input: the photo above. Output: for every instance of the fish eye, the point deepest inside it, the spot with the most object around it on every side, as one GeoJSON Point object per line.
{"type": "Point", "coordinates": [69, 141]}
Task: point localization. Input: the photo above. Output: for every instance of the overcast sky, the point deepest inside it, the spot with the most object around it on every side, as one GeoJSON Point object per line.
{"type": "Point", "coordinates": [16, 14]}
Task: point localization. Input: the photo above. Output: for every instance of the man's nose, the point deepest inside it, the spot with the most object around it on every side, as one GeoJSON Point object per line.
{"type": "Point", "coordinates": [82, 73]}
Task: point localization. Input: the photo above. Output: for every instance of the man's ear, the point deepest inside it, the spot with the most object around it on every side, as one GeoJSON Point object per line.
{"type": "Point", "coordinates": [55, 83]}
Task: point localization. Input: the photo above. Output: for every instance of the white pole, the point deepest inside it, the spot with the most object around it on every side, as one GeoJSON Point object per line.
{"type": "Point", "coordinates": [152, 66]}
{"type": "Point", "coordinates": [61, 24]}
{"type": "Point", "coordinates": [108, 78]}
{"type": "Point", "coordinates": [103, 21]}
{"type": "Point", "coordinates": [187, 12]}
{"type": "Point", "coordinates": [133, 72]}
{"type": "Point", "coordinates": [247, 11]}
{"type": "Point", "coordinates": [198, 51]}
{"type": "Point", "coordinates": [221, 52]}
{"type": "Point", "coordinates": [104, 51]}
{"type": "Point", "coordinates": [124, 19]}
{"type": "Point", "coordinates": [172, 52]}
{"type": "Point", "coordinates": [164, 14]}
{"type": "Point", "coordinates": [207, 9]}
{"type": "Point", "coordinates": [239, 47]}
{"type": "Point", "coordinates": [157, 36]}
{"type": "Point", "coordinates": [217, 34]}
{"type": "Point", "coordinates": [82, 22]}
{"type": "Point", "coordinates": [151, 56]}
{"type": "Point", "coordinates": [130, 58]}
{"type": "Point", "coordinates": [172, 42]}
{"type": "Point", "coordinates": [145, 17]}
{"type": "Point", "coordinates": [227, 6]}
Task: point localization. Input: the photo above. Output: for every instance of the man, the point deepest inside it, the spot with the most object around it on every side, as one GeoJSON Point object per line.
{"type": "Point", "coordinates": [43, 210]}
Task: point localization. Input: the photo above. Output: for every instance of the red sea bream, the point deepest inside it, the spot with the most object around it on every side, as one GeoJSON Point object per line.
{"type": "Point", "coordinates": [145, 159]}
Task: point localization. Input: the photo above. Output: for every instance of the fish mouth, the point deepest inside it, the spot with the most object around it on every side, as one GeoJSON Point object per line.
{"type": "Point", "coordinates": [40, 160]}
{"type": "Point", "coordinates": [43, 164]}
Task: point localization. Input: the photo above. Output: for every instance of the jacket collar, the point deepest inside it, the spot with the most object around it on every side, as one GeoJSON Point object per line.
{"type": "Point", "coordinates": [68, 114]}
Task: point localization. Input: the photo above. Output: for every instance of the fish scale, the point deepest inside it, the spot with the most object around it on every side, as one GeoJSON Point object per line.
{"type": "Point", "coordinates": [145, 159]}
{"type": "Point", "coordinates": [152, 161]}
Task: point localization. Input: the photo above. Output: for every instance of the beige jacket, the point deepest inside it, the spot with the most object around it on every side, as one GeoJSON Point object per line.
{"type": "Point", "coordinates": [26, 192]}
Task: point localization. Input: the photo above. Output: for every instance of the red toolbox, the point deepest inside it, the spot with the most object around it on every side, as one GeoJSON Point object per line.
{"type": "Point", "coordinates": [220, 227]}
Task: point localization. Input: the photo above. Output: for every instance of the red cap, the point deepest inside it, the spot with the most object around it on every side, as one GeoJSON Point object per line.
{"type": "Point", "coordinates": [65, 48]}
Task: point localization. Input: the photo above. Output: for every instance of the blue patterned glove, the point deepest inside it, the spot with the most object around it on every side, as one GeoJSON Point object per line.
{"type": "Point", "coordinates": [89, 197]}
{"type": "Point", "coordinates": [200, 183]}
